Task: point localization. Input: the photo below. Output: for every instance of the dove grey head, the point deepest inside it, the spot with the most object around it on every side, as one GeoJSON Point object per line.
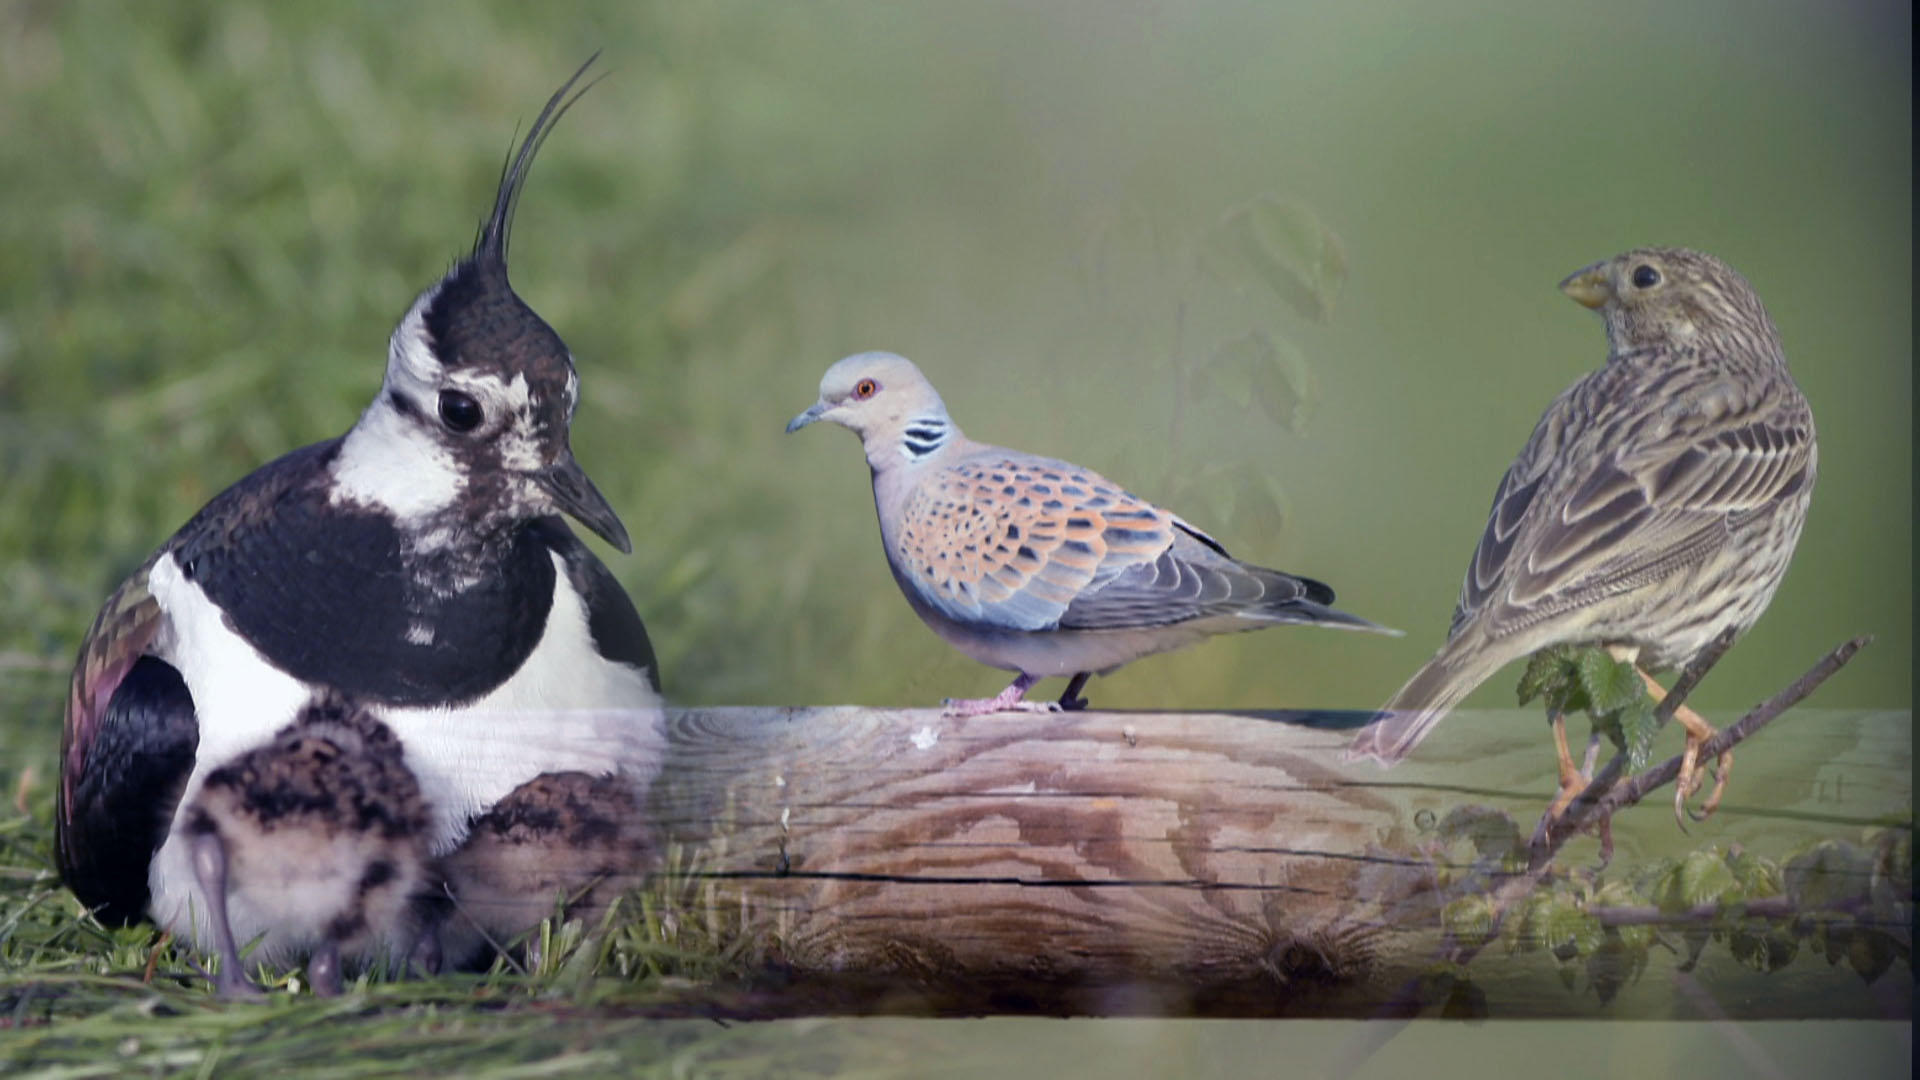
{"type": "Point", "coordinates": [884, 399]}
{"type": "Point", "coordinates": [1667, 296]}
{"type": "Point", "coordinates": [472, 421]}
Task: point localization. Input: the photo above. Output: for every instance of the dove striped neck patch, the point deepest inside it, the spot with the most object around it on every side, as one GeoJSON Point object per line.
{"type": "Point", "coordinates": [924, 435]}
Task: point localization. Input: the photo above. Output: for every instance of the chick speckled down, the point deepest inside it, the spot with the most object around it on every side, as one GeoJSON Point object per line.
{"type": "Point", "coordinates": [322, 833]}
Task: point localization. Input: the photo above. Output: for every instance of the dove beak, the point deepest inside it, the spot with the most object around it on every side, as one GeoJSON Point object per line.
{"type": "Point", "coordinates": [808, 417]}
{"type": "Point", "coordinates": [1589, 287]}
{"type": "Point", "coordinates": [572, 492]}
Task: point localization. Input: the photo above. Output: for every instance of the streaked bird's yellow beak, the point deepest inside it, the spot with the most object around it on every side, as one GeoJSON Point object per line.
{"type": "Point", "coordinates": [1589, 287]}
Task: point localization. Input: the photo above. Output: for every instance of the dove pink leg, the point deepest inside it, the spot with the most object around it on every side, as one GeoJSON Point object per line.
{"type": "Point", "coordinates": [1012, 699]}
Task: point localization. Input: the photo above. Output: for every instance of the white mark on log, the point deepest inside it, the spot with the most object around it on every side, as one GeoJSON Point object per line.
{"type": "Point", "coordinates": [779, 781]}
{"type": "Point", "coordinates": [925, 737]}
{"type": "Point", "coordinates": [786, 812]}
{"type": "Point", "coordinates": [1132, 737]}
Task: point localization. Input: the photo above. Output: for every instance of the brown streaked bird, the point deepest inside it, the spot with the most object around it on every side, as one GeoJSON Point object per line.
{"type": "Point", "coordinates": [563, 843]}
{"type": "Point", "coordinates": [322, 834]}
{"type": "Point", "coordinates": [1035, 565]}
{"type": "Point", "coordinates": [1656, 505]}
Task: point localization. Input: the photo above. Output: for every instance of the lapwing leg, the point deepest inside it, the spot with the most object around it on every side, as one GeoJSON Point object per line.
{"type": "Point", "coordinates": [1698, 732]}
{"type": "Point", "coordinates": [1071, 701]}
{"type": "Point", "coordinates": [1572, 780]}
{"type": "Point", "coordinates": [210, 870]}
{"type": "Point", "coordinates": [323, 969]}
{"type": "Point", "coordinates": [1012, 699]}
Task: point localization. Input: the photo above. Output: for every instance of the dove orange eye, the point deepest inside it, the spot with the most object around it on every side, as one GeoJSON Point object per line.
{"type": "Point", "coordinates": [864, 389]}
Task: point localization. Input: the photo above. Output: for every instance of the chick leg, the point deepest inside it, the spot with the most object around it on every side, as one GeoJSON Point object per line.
{"type": "Point", "coordinates": [323, 969]}
{"type": "Point", "coordinates": [210, 870]}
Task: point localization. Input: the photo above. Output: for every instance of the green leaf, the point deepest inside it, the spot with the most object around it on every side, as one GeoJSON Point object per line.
{"type": "Point", "coordinates": [1612, 965]}
{"type": "Point", "coordinates": [1610, 684]}
{"type": "Point", "coordinates": [1527, 933]}
{"type": "Point", "coordinates": [1469, 920]}
{"type": "Point", "coordinates": [1569, 931]}
{"type": "Point", "coordinates": [1871, 953]}
{"type": "Point", "coordinates": [1763, 950]}
{"type": "Point", "coordinates": [1754, 876]}
{"type": "Point", "coordinates": [1283, 246]}
{"type": "Point", "coordinates": [1831, 875]}
{"type": "Point", "coordinates": [1701, 878]}
{"type": "Point", "coordinates": [1637, 727]}
{"type": "Point", "coordinates": [1242, 498]}
{"type": "Point", "coordinates": [1546, 673]}
{"type": "Point", "coordinates": [1260, 370]}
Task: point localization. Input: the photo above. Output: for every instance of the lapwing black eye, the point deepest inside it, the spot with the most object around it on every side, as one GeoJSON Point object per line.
{"type": "Point", "coordinates": [864, 389]}
{"type": "Point", "coordinates": [1645, 277]}
{"type": "Point", "coordinates": [459, 411]}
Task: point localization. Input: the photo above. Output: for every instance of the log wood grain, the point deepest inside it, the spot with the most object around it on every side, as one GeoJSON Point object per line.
{"type": "Point", "coordinates": [1211, 864]}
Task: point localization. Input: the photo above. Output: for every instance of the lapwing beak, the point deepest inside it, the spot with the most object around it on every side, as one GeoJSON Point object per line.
{"type": "Point", "coordinates": [567, 482]}
{"type": "Point", "coordinates": [807, 417]}
{"type": "Point", "coordinates": [1589, 287]}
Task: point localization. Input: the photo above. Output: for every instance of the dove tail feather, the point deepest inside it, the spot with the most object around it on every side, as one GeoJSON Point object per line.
{"type": "Point", "coordinates": [1307, 611]}
{"type": "Point", "coordinates": [1423, 702]}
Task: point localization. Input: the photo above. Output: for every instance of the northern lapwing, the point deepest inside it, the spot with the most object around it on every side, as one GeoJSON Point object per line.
{"type": "Point", "coordinates": [321, 833]}
{"type": "Point", "coordinates": [417, 563]}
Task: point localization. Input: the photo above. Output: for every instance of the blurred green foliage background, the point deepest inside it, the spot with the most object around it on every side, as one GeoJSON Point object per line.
{"type": "Point", "coordinates": [213, 215]}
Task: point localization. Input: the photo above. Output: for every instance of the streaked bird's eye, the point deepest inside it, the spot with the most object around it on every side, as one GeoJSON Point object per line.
{"type": "Point", "coordinates": [1645, 277]}
{"type": "Point", "coordinates": [459, 411]}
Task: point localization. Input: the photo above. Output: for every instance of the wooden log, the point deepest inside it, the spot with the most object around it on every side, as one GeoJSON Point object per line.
{"type": "Point", "coordinates": [1209, 864]}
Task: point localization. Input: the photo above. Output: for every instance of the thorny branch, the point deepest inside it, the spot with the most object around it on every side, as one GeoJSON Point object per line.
{"type": "Point", "coordinates": [1604, 795]}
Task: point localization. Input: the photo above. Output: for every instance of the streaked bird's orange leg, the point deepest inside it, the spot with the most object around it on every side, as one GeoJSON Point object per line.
{"type": "Point", "coordinates": [1572, 780]}
{"type": "Point", "coordinates": [1698, 732]}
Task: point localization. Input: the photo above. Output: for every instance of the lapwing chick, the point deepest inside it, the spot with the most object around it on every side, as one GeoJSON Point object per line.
{"type": "Point", "coordinates": [564, 844]}
{"type": "Point", "coordinates": [418, 563]}
{"type": "Point", "coordinates": [322, 834]}
{"type": "Point", "coordinates": [1038, 566]}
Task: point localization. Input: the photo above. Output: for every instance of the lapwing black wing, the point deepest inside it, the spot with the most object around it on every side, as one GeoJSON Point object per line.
{"type": "Point", "coordinates": [418, 563]}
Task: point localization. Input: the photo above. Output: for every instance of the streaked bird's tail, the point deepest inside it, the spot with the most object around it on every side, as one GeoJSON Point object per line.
{"type": "Point", "coordinates": [1426, 700]}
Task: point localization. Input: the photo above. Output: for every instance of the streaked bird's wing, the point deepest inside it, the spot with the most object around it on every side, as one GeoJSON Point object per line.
{"type": "Point", "coordinates": [1578, 518]}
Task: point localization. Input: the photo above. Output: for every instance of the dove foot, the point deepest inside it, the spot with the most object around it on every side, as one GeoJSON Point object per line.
{"type": "Point", "coordinates": [1072, 701]}
{"type": "Point", "coordinates": [1012, 699]}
